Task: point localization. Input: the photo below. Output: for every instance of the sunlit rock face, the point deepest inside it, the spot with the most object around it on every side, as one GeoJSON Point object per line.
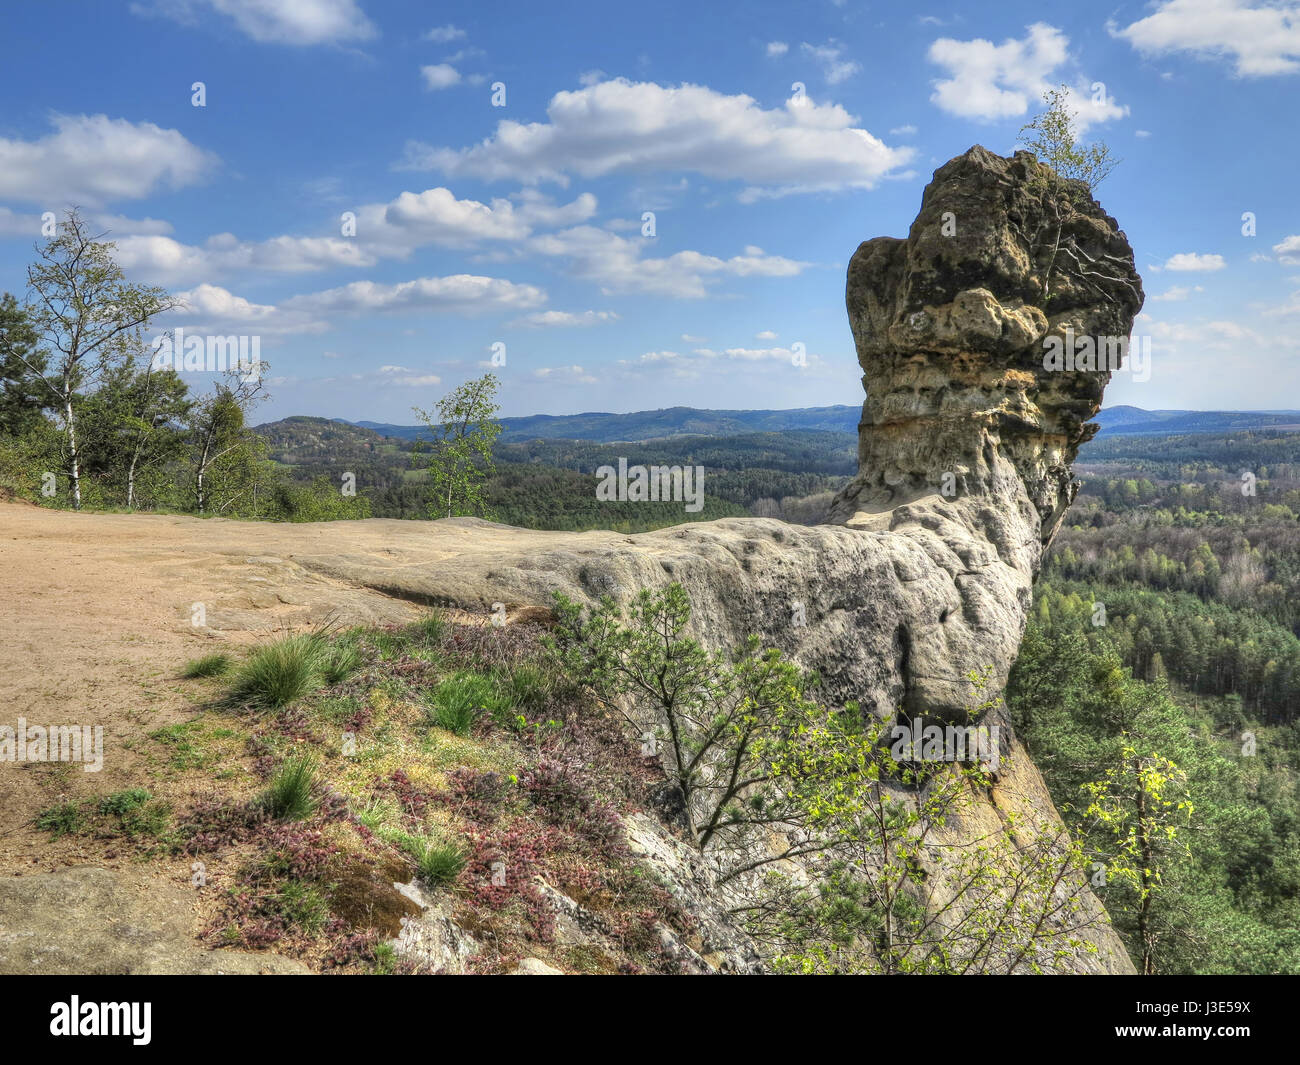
{"type": "Point", "coordinates": [1004, 265]}
{"type": "Point", "coordinates": [923, 574]}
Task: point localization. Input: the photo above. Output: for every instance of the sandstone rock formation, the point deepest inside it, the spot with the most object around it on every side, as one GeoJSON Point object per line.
{"type": "Point", "coordinates": [924, 573]}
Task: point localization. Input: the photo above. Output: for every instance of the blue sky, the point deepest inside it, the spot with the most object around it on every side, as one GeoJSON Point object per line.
{"type": "Point", "coordinates": [522, 225]}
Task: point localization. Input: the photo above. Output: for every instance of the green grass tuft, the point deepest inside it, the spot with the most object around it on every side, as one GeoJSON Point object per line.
{"type": "Point", "coordinates": [290, 796]}
{"type": "Point", "coordinates": [281, 672]}
{"type": "Point", "coordinates": [213, 665]}
{"type": "Point", "coordinates": [438, 863]}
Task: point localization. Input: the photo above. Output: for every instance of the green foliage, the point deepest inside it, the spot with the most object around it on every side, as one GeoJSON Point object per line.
{"type": "Point", "coordinates": [1051, 137]}
{"type": "Point", "coordinates": [213, 665]}
{"type": "Point", "coordinates": [438, 863]}
{"type": "Point", "coordinates": [281, 672]}
{"type": "Point", "coordinates": [23, 395]}
{"type": "Point", "coordinates": [717, 719]}
{"type": "Point", "coordinates": [459, 700]}
{"type": "Point", "coordinates": [321, 500]}
{"type": "Point", "coordinates": [290, 796]}
{"type": "Point", "coordinates": [463, 429]}
{"type": "Point", "coordinates": [66, 819]}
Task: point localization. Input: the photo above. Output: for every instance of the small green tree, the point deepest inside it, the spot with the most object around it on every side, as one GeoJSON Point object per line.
{"type": "Point", "coordinates": [718, 720]}
{"type": "Point", "coordinates": [226, 456]}
{"type": "Point", "coordinates": [464, 427]}
{"type": "Point", "coordinates": [1072, 173]}
{"type": "Point", "coordinates": [81, 308]}
{"type": "Point", "coordinates": [132, 425]}
{"type": "Point", "coordinates": [1140, 804]}
{"type": "Point", "coordinates": [1052, 138]}
{"type": "Point", "coordinates": [23, 396]}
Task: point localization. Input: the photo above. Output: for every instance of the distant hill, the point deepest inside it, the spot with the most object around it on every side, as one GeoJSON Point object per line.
{"type": "Point", "coordinates": [321, 435]}
{"type": "Point", "coordinates": [652, 424]}
{"type": "Point", "coordinates": [1134, 421]}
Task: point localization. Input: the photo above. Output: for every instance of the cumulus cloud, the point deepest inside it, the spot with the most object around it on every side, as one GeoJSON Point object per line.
{"type": "Point", "coordinates": [111, 226]}
{"type": "Point", "coordinates": [621, 126]}
{"type": "Point", "coordinates": [701, 361]}
{"type": "Point", "coordinates": [1178, 293]}
{"type": "Point", "coordinates": [299, 22]}
{"type": "Point", "coordinates": [212, 309]}
{"type": "Point", "coordinates": [440, 76]}
{"type": "Point", "coordinates": [94, 159]}
{"type": "Point", "coordinates": [1288, 250]}
{"type": "Point", "coordinates": [548, 319]}
{"type": "Point", "coordinates": [405, 377]}
{"type": "Point", "coordinates": [459, 294]}
{"type": "Point", "coordinates": [996, 81]}
{"type": "Point", "coordinates": [164, 258]}
{"type": "Point", "coordinates": [1260, 38]}
{"type": "Point", "coordinates": [391, 230]}
{"type": "Point", "coordinates": [616, 264]}
{"type": "Point", "coordinates": [1191, 261]}
{"type": "Point", "coordinates": [777, 48]}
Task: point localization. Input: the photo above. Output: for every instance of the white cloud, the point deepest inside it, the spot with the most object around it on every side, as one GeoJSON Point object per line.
{"type": "Point", "coordinates": [1260, 38]}
{"type": "Point", "coordinates": [616, 264]}
{"type": "Point", "coordinates": [444, 34]}
{"type": "Point", "coordinates": [440, 76]}
{"type": "Point", "coordinates": [1191, 261]}
{"type": "Point", "coordinates": [903, 131]}
{"type": "Point", "coordinates": [212, 309]}
{"type": "Point", "coordinates": [390, 230]}
{"type": "Point", "coordinates": [766, 334]}
{"type": "Point", "coordinates": [162, 258]}
{"type": "Point", "coordinates": [1288, 250]}
{"type": "Point", "coordinates": [1141, 133]}
{"type": "Point", "coordinates": [1178, 293]}
{"type": "Point", "coordinates": [777, 48]}
{"type": "Point", "coordinates": [93, 159]}
{"type": "Point", "coordinates": [570, 375]}
{"type": "Point", "coordinates": [299, 22]}
{"type": "Point", "coordinates": [405, 377]}
{"type": "Point", "coordinates": [830, 56]}
{"type": "Point", "coordinates": [112, 227]}
{"type": "Point", "coordinates": [591, 77]}
{"type": "Point", "coordinates": [459, 294]}
{"type": "Point", "coordinates": [996, 81]}
{"type": "Point", "coordinates": [567, 318]}
{"type": "Point", "coordinates": [702, 361]}
{"type": "Point", "coordinates": [640, 127]}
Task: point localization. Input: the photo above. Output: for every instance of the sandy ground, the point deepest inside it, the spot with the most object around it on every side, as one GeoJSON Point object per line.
{"type": "Point", "coordinates": [96, 621]}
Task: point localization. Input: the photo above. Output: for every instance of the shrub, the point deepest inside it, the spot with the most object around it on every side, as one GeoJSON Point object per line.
{"type": "Point", "coordinates": [122, 802]}
{"type": "Point", "coordinates": [63, 820]}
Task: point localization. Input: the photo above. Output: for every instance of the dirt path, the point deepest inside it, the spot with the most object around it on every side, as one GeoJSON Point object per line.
{"type": "Point", "coordinates": [96, 620]}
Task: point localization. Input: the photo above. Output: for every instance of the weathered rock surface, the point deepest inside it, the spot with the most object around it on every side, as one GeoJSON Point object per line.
{"type": "Point", "coordinates": [91, 921]}
{"type": "Point", "coordinates": [925, 575]}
